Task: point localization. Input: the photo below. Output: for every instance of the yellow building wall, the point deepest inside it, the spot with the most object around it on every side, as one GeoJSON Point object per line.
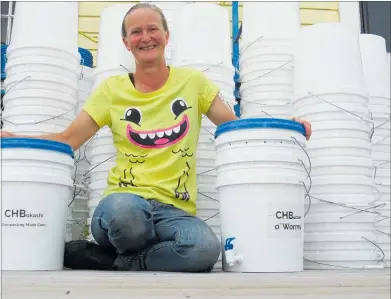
{"type": "Point", "coordinates": [89, 12]}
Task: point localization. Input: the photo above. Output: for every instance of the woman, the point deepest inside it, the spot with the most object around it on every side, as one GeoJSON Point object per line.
{"type": "Point", "coordinates": [146, 219]}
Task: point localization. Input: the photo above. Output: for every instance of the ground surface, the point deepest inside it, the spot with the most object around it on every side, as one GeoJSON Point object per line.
{"type": "Point", "coordinates": [364, 284]}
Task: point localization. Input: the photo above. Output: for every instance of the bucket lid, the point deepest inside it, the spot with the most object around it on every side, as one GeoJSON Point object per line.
{"type": "Point", "coordinates": [35, 143]}
{"type": "Point", "coordinates": [258, 123]}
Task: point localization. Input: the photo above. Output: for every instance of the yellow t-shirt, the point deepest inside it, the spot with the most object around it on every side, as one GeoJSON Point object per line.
{"type": "Point", "coordinates": [155, 134]}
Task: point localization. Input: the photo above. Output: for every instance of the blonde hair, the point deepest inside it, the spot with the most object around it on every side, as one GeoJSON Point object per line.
{"type": "Point", "coordinates": [144, 5]}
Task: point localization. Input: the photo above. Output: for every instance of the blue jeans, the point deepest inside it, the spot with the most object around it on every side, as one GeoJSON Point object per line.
{"type": "Point", "coordinates": [149, 235]}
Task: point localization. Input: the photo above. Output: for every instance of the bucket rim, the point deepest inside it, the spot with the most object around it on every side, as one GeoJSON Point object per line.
{"type": "Point", "coordinates": [259, 123]}
{"type": "Point", "coordinates": [36, 143]}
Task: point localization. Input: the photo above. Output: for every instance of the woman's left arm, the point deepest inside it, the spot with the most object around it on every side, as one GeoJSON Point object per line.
{"type": "Point", "coordinates": [307, 126]}
{"type": "Point", "coordinates": [219, 112]}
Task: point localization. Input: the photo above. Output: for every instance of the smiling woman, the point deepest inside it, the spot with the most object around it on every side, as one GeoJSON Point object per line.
{"type": "Point", "coordinates": [146, 219]}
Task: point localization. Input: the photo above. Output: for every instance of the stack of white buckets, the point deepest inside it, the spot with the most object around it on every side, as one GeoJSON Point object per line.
{"type": "Point", "coordinates": [170, 11]}
{"type": "Point", "coordinates": [41, 96]}
{"type": "Point", "coordinates": [78, 210]}
{"type": "Point", "coordinates": [211, 54]}
{"type": "Point", "coordinates": [266, 58]}
{"type": "Point", "coordinates": [42, 72]}
{"type": "Point", "coordinates": [377, 80]}
{"type": "Point", "coordinates": [113, 57]}
{"type": "Point", "coordinates": [330, 93]}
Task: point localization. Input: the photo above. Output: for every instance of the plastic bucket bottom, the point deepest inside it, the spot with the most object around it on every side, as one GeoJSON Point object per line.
{"type": "Point", "coordinates": [276, 200]}
{"type": "Point", "coordinates": [38, 211]}
{"type": "Point", "coordinates": [272, 210]}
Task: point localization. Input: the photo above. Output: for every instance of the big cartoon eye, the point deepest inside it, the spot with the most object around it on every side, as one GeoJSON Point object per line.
{"type": "Point", "coordinates": [133, 115]}
{"type": "Point", "coordinates": [178, 106]}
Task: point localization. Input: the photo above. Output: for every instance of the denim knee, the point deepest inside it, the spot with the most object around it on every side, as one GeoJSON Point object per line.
{"type": "Point", "coordinates": [127, 220]}
{"type": "Point", "coordinates": [206, 252]}
{"type": "Point", "coordinates": [201, 247]}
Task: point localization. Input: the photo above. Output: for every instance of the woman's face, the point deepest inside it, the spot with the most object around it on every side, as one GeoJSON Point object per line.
{"type": "Point", "coordinates": [145, 35]}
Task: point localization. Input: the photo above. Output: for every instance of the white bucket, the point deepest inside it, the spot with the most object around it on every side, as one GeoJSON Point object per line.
{"type": "Point", "coordinates": [380, 148]}
{"type": "Point", "coordinates": [282, 74]}
{"type": "Point", "coordinates": [207, 123]}
{"type": "Point", "coordinates": [327, 58]}
{"type": "Point", "coordinates": [266, 96]}
{"type": "Point", "coordinates": [339, 241]}
{"type": "Point", "coordinates": [353, 199]}
{"type": "Point", "coordinates": [97, 188]}
{"type": "Point", "coordinates": [378, 109]}
{"type": "Point", "coordinates": [253, 100]}
{"type": "Point", "coordinates": [39, 64]}
{"type": "Point", "coordinates": [266, 47]}
{"type": "Point", "coordinates": [269, 83]}
{"type": "Point", "coordinates": [280, 193]}
{"type": "Point", "coordinates": [92, 204]}
{"type": "Point", "coordinates": [101, 172]}
{"type": "Point", "coordinates": [326, 112]}
{"type": "Point", "coordinates": [211, 48]}
{"type": "Point", "coordinates": [338, 147]}
{"type": "Point", "coordinates": [36, 130]}
{"type": "Point", "coordinates": [206, 193]}
{"type": "Point", "coordinates": [111, 49]}
{"type": "Point", "coordinates": [220, 69]}
{"type": "Point", "coordinates": [38, 211]}
{"type": "Point", "coordinates": [23, 52]}
{"type": "Point", "coordinates": [41, 81]}
{"type": "Point", "coordinates": [206, 175]}
{"type": "Point", "coordinates": [337, 246]}
{"type": "Point", "coordinates": [266, 111]}
{"type": "Point", "coordinates": [86, 78]}
{"type": "Point", "coordinates": [343, 165]}
{"type": "Point", "coordinates": [340, 222]}
{"type": "Point", "coordinates": [341, 98]}
{"type": "Point", "coordinates": [24, 115]}
{"type": "Point", "coordinates": [316, 208]}
{"type": "Point", "coordinates": [375, 65]}
{"type": "Point", "coordinates": [101, 141]}
{"type": "Point", "coordinates": [382, 176]}
{"type": "Point", "coordinates": [381, 140]}
{"type": "Point", "coordinates": [353, 259]}
{"type": "Point", "coordinates": [100, 76]}
{"type": "Point", "coordinates": [249, 60]}
{"type": "Point", "coordinates": [263, 19]}
{"type": "Point", "coordinates": [102, 154]}
{"type": "Point", "coordinates": [381, 101]}
{"type": "Point", "coordinates": [342, 184]}
{"type": "Point", "coordinates": [39, 97]}
{"type": "Point", "coordinates": [353, 129]}
{"type": "Point", "coordinates": [46, 21]}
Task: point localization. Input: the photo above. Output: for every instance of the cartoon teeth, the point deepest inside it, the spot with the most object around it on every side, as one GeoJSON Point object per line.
{"type": "Point", "coordinates": [159, 138]}
{"type": "Point", "coordinates": [161, 134]}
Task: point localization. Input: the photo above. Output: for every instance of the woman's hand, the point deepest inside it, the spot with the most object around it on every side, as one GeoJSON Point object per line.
{"type": "Point", "coordinates": [6, 134]}
{"type": "Point", "coordinates": [307, 126]}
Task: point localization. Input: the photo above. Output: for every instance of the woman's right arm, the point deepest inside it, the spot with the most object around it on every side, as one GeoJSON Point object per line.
{"type": "Point", "coordinates": [81, 130]}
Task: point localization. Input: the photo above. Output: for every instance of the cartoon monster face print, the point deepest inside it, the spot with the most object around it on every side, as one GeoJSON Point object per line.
{"type": "Point", "coordinates": [159, 138]}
